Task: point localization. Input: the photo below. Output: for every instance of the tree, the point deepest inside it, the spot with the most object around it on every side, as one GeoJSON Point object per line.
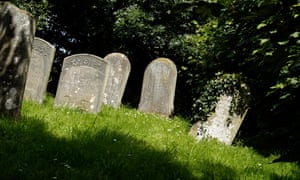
{"type": "Point", "coordinates": [260, 40]}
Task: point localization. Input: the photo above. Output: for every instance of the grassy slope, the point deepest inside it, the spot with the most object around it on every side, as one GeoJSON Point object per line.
{"type": "Point", "coordinates": [121, 144]}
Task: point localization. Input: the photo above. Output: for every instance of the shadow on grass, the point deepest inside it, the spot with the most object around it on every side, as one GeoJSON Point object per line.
{"type": "Point", "coordinates": [28, 151]}
{"type": "Point", "coordinates": [213, 170]}
{"type": "Point", "coordinates": [273, 132]}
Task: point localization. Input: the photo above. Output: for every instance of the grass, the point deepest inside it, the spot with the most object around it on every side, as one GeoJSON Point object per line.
{"type": "Point", "coordinates": [59, 143]}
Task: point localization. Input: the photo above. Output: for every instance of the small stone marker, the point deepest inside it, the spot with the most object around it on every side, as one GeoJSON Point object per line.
{"type": "Point", "coordinates": [82, 82]}
{"type": "Point", "coordinates": [39, 70]}
{"type": "Point", "coordinates": [17, 29]}
{"type": "Point", "coordinates": [222, 124]}
{"type": "Point", "coordinates": [117, 80]}
{"type": "Point", "coordinates": [158, 89]}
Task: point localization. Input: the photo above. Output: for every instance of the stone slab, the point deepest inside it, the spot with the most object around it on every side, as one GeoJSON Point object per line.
{"type": "Point", "coordinates": [39, 70]}
{"type": "Point", "coordinates": [158, 91]}
{"type": "Point", "coordinates": [117, 80]}
{"type": "Point", "coordinates": [17, 29]}
{"type": "Point", "coordinates": [82, 82]}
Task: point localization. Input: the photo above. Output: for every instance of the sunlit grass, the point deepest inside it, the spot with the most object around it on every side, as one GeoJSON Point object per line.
{"type": "Point", "coordinates": [59, 143]}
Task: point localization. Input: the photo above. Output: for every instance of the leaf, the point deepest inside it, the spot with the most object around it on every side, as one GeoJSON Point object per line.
{"type": "Point", "coordinates": [278, 86]}
{"type": "Point", "coordinates": [285, 96]}
{"type": "Point", "coordinates": [295, 34]}
{"type": "Point", "coordinates": [261, 25]}
{"type": "Point", "coordinates": [283, 42]}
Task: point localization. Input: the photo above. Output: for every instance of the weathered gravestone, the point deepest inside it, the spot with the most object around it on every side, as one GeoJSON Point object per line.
{"type": "Point", "coordinates": [224, 123]}
{"type": "Point", "coordinates": [39, 70]}
{"type": "Point", "coordinates": [118, 76]}
{"type": "Point", "coordinates": [17, 29]}
{"type": "Point", "coordinates": [158, 89]}
{"type": "Point", "coordinates": [82, 82]}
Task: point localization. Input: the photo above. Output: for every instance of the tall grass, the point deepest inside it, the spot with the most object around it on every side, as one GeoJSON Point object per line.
{"type": "Point", "coordinates": [60, 143]}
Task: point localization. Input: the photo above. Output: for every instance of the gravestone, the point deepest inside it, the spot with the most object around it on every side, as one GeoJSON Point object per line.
{"type": "Point", "coordinates": [17, 29]}
{"type": "Point", "coordinates": [223, 124]}
{"type": "Point", "coordinates": [82, 82]}
{"type": "Point", "coordinates": [158, 89]}
{"type": "Point", "coordinates": [117, 80]}
{"type": "Point", "coordinates": [39, 70]}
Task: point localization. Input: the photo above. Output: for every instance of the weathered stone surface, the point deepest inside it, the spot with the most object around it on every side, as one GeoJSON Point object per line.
{"type": "Point", "coordinates": [82, 82]}
{"type": "Point", "coordinates": [158, 89]}
{"type": "Point", "coordinates": [17, 29]}
{"type": "Point", "coordinates": [222, 124]}
{"type": "Point", "coordinates": [39, 70]}
{"type": "Point", "coordinates": [117, 80]}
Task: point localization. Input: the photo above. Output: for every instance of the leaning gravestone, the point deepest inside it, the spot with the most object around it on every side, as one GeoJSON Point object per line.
{"type": "Point", "coordinates": [158, 89]}
{"type": "Point", "coordinates": [17, 29]}
{"type": "Point", "coordinates": [223, 124]}
{"type": "Point", "coordinates": [39, 70]}
{"type": "Point", "coordinates": [118, 76]}
{"type": "Point", "coordinates": [82, 82]}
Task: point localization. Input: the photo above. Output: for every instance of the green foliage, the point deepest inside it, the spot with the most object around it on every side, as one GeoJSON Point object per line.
{"type": "Point", "coordinates": [224, 84]}
{"type": "Point", "coordinates": [150, 26]}
{"type": "Point", "coordinates": [56, 143]}
{"type": "Point", "coordinates": [267, 39]}
{"type": "Point", "coordinates": [135, 23]}
{"type": "Point", "coordinates": [39, 9]}
{"type": "Point", "coordinates": [260, 39]}
{"type": "Point", "coordinates": [192, 47]}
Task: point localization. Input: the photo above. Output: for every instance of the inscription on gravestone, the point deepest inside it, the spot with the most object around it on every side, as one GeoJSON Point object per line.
{"type": "Point", "coordinates": [158, 89]}
{"type": "Point", "coordinates": [118, 76]}
{"type": "Point", "coordinates": [39, 70]}
{"type": "Point", "coordinates": [17, 30]}
{"type": "Point", "coordinates": [221, 124]}
{"type": "Point", "coordinates": [82, 82]}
